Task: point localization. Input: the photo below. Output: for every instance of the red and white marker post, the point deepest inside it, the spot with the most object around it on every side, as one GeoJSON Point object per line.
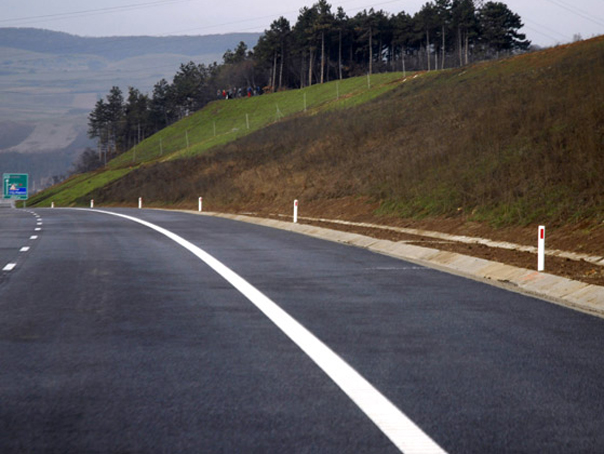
{"type": "Point", "coordinates": [200, 204]}
{"type": "Point", "coordinates": [295, 211]}
{"type": "Point", "coordinates": [541, 249]}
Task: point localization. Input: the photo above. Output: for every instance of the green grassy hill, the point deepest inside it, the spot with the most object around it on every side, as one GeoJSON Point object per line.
{"type": "Point", "coordinates": [219, 123]}
{"type": "Point", "coordinates": [507, 142]}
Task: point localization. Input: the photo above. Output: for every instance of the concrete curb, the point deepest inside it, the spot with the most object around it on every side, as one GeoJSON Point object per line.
{"type": "Point", "coordinates": [596, 260]}
{"type": "Point", "coordinates": [573, 294]}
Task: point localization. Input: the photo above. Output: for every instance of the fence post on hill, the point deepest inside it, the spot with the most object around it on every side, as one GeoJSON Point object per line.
{"type": "Point", "coordinates": [161, 148]}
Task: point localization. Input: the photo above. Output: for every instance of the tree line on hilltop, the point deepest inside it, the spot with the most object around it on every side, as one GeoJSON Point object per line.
{"type": "Point", "coordinates": [322, 45]}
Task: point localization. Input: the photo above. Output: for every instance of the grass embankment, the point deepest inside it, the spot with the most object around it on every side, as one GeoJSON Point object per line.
{"type": "Point", "coordinates": [75, 188]}
{"type": "Point", "coordinates": [217, 124]}
{"type": "Point", "coordinates": [509, 142]}
{"type": "Point", "coordinates": [224, 121]}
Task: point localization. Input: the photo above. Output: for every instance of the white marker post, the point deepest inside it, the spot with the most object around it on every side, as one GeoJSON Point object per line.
{"type": "Point", "coordinates": [52, 205]}
{"type": "Point", "coordinates": [295, 211]}
{"type": "Point", "coordinates": [91, 203]}
{"type": "Point", "coordinates": [200, 204]}
{"type": "Point", "coordinates": [140, 203]}
{"type": "Point", "coordinates": [541, 249]}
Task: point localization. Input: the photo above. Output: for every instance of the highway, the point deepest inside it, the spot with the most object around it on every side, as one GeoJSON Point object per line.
{"type": "Point", "coordinates": [157, 332]}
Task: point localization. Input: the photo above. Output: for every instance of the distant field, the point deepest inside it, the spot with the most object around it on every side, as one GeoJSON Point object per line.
{"type": "Point", "coordinates": [49, 76]}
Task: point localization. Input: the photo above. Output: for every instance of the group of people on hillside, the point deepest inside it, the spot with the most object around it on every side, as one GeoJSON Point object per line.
{"type": "Point", "coordinates": [240, 92]}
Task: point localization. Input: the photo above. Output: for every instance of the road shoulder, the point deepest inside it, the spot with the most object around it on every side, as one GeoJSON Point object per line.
{"type": "Point", "coordinates": [577, 295]}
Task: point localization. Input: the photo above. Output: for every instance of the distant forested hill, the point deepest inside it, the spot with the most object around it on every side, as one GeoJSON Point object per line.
{"type": "Point", "coordinates": [120, 47]}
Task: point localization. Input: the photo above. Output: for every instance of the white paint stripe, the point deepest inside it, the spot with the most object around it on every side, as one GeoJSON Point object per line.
{"type": "Point", "coordinates": [403, 432]}
{"type": "Point", "coordinates": [24, 249]}
{"type": "Point", "coordinates": [37, 229]}
{"type": "Point", "coordinates": [33, 237]}
{"type": "Point", "coordinates": [9, 267]}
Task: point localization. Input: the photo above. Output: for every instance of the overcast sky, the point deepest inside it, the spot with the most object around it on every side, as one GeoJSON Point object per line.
{"type": "Point", "coordinates": [547, 22]}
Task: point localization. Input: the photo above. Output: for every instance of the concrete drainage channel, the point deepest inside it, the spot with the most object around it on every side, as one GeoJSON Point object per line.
{"type": "Point", "coordinates": [577, 295]}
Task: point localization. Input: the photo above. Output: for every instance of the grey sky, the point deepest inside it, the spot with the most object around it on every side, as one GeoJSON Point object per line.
{"type": "Point", "coordinates": [547, 22]}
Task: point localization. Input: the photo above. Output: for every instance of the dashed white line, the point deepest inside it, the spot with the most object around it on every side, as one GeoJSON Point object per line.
{"type": "Point", "coordinates": [33, 237]}
{"type": "Point", "coordinates": [9, 267]}
{"type": "Point", "coordinates": [24, 249]}
{"type": "Point", "coordinates": [403, 432]}
{"type": "Point", "coordinates": [37, 229]}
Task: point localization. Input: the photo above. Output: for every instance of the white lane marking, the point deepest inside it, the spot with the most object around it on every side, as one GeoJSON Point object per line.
{"type": "Point", "coordinates": [9, 267]}
{"type": "Point", "coordinates": [24, 249]}
{"type": "Point", "coordinates": [403, 432]}
{"type": "Point", "coordinates": [33, 237]}
{"type": "Point", "coordinates": [37, 229]}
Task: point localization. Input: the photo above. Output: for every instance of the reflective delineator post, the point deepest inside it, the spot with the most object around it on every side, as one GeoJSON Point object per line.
{"type": "Point", "coordinates": [52, 205]}
{"type": "Point", "coordinates": [541, 249]}
{"type": "Point", "coordinates": [140, 203]}
{"type": "Point", "coordinates": [91, 203]}
{"type": "Point", "coordinates": [295, 211]}
{"type": "Point", "coordinates": [200, 203]}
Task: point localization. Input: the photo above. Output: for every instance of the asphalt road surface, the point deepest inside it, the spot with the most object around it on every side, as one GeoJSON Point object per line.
{"type": "Point", "coordinates": [114, 338]}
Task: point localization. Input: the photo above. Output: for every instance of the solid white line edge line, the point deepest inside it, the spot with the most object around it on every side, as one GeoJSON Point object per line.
{"type": "Point", "coordinates": [403, 432]}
